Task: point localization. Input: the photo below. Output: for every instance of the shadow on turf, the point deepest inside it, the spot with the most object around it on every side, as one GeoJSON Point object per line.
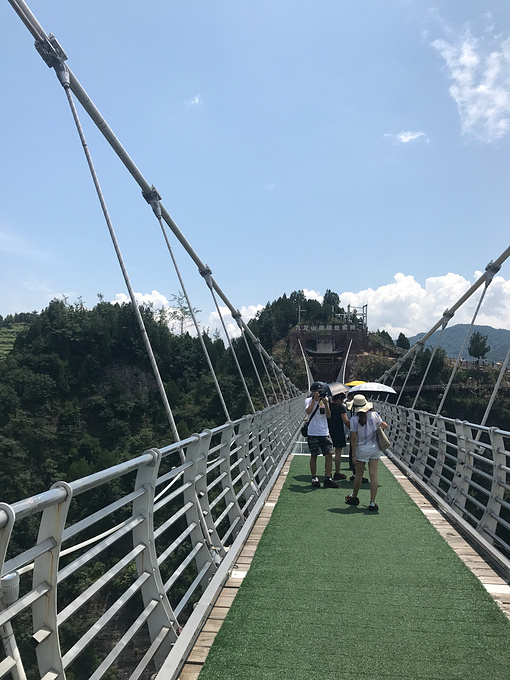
{"type": "Point", "coordinates": [345, 484]}
{"type": "Point", "coordinates": [299, 488]}
{"type": "Point", "coordinates": [353, 509]}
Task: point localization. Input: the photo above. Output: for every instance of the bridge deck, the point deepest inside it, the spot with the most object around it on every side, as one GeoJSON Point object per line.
{"type": "Point", "coordinates": [338, 592]}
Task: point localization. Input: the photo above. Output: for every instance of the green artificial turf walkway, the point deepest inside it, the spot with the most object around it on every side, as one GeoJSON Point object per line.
{"type": "Point", "coordinates": [336, 591]}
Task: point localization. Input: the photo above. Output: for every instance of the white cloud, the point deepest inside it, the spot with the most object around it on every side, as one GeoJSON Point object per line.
{"type": "Point", "coordinates": [405, 306]}
{"type": "Point", "coordinates": [480, 76]}
{"type": "Point", "coordinates": [156, 299]}
{"type": "Point", "coordinates": [312, 295]}
{"type": "Point", "coordinates": [195, 101]}
{"type": "Point", "coordinates": [405, 137]}
{"type": "Point", "coordinates": [214, 322]}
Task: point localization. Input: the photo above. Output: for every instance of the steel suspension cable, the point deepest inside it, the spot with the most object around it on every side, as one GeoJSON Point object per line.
{"type": "Point", "coordinates": [62, 74]}
{"type": "Point", "coordinates": [415, 356]}
{"type": "Point", "coordinates": [264, 363]}
{"type": "Point", "coordinates": [207, 278]}
{"type": "Point", "coordinates": [446, 318]}
{"type": "Point", "coordinates": [309, 375]}
{"type": "Point", "coordinates": [490, 270]}
{"type": "Point", "coordinates": [494, 393]}
{"type": "Point", "coordinates": [276, 371]}
{"type": "Point", "coordinates": [52, 53]}
{"type": "Point", "coordinates": [273, 368]}
{"type": "Point", "coordinates": [457, 362]}
{"type": "Point", "coordinates": [253, 363]}
{"type": "Point", "coordinates": [154, 201]}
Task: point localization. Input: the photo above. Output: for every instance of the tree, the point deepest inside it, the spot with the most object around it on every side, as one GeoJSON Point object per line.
{"type": "Point", "coordinates": [180, 311]}
{"type": "Point", "coordinates": [403, 342]}
{"type": "Point", "coordinates": [331, 302]}
{"type": "Point", "coordinates": [478, 347]}
{"type": "Point", "coordinates": [386, 336]}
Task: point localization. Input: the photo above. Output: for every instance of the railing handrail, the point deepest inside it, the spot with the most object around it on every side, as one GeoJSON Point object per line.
{"type": "Point", "coordinates": [463, 466]}
{"type": "Point", "coordinates": [183, 545]}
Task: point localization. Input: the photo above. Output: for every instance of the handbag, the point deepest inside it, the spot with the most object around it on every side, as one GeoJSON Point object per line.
{"type": "Point", "coordinates": [304, 428]}
{"type": "Point", "coordinates": [382, 439]}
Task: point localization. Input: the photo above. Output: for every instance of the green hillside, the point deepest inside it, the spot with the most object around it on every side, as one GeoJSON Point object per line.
{"type": "Point", "coordinates": [497, 338]}
{"type": "Point", "coordinates": [8, 336]}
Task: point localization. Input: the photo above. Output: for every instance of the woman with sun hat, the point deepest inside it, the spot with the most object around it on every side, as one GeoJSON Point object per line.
{"type": "Point", "coordinates": [365, 448]}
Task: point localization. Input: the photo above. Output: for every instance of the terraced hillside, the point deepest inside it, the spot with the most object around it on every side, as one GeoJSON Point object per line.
{"type": "Point", "coordinates": [7, 336]}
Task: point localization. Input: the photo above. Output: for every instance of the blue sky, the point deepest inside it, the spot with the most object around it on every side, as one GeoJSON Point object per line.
{"type": "Point", "coordinates": [357, 146]}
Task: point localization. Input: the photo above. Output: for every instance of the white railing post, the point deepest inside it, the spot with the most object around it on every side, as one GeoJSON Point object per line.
{"type": "Point", "coordinates": [44, 610]}
{"type": "Point", "coordinates": [162, 621]}
{"type": "Point", "coordinates": [8, 596]}
{"type": "Point", "coordinates": [435, 475]}
{"type": "Point", "coordinates": [422, 444]}
{"type": "Point", "coordinates": [489, 520]}
{"type": "Point", "coordinates": [251, 491]}
{"type": "Point", "coordinates": [459, 489]}
{"type": "Point", "coordinates": [204, 538]}
{"type": "Point", "coordinates": [235, 515]}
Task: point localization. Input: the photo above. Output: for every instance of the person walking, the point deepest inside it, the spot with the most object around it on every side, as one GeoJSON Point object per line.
{"type": "Point", "coordinates": [317, 407]}
{"type": "Point", "coordinates": [365, 448]}
{"type": "Point", "coordinates": [350, 412]}
{"type": "Point", "coordinates": [337, 424]}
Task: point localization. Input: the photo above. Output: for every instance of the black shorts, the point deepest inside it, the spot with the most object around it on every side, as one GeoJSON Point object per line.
{"type": "Point", "coordinates": [319, 445]}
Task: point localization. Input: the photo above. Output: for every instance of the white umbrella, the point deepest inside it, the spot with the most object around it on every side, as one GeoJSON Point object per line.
{"type": "Point", "coordinates": [337, 388]}
{"type": "Point", "coordinates": [372, 387]}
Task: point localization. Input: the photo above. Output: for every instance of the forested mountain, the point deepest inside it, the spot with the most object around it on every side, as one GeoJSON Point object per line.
{"type": "Point", "coordinates": [453, 338]}
{"type": "Point", "coordinates": [77, 393]}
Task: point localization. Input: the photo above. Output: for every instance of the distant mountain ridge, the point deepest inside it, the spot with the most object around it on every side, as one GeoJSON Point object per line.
{"type": "Point", "coordinates": [498, 340]}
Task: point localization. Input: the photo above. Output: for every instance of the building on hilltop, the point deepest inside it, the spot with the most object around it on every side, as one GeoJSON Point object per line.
{"type": "Point", "coordinates": [326, 345]}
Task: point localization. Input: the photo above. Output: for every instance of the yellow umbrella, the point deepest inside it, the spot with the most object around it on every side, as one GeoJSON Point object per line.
{"type": "Point", "coordinates": [353, 383]}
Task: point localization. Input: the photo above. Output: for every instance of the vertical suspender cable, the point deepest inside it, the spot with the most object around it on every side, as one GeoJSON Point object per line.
{"type": "Point", "coordinates": [62, 73]}
{"type": "Point", "coordinates": [259, 350]}
{"type": "Point", "coordinates": [273, 368]}
{"type": "Point", "coordinates": [309, 375]}
{"type": "Point", "coordinates": [154, 201]}
{"type": "Point", "coordinates": [253, 363]}
{"type": "Point", "coordinates": [406, 379]}
{"type": "Point", "coordinates": [206, 273]}
{"type": "Point", "coordinates": [494, 393]}
{"type": "Point", "coordinates": [454, 370]}
{"type": "Point", "coordinates": [51, 52]}
{"type": "Point", "coordinates": [447, 316]}
{"type": "Point", "coordinates": [490, 270]}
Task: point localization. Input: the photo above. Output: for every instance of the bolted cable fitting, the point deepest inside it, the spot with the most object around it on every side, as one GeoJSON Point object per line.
{"type": "Point", "coordinates": [207, 274]}
{"type": "Point", "coordinates": [237, 318]}
{"type": "Point", "coordinates": [50, 51]}
{"type": "Point", "coordinates": [491, 270]}
{"type": "Point", "coordinates": [447, 315]}
{"type": "Point", "coordinates": [153, 199]}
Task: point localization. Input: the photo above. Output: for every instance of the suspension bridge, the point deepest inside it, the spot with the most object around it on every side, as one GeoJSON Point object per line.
{"type": "Point", "coordinates": [218, 542]}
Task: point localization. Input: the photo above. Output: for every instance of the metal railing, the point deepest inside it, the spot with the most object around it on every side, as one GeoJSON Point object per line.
{"type": "Point", "coordinates": [464, 467]}
{"type": "Point", "coordinates": [118, 570]}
